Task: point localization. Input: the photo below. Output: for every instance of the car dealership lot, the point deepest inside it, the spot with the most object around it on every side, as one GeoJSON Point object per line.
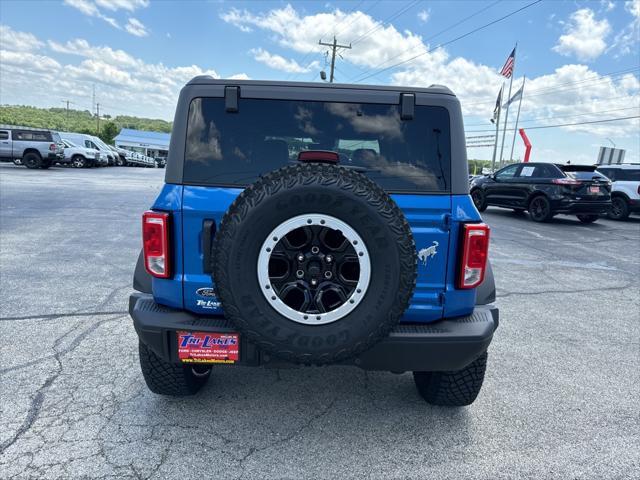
{"type": "Point", "coordinates": [560, 399]}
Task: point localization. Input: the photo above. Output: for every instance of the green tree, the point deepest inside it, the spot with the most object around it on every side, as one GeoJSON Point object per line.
{"type": "Point", "coordinates": [108, 132]}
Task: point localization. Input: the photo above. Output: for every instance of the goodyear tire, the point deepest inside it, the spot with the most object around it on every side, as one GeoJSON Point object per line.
{"type": "Point", "coordinates": [452, 389]}
{"type": "Point", "coordinates": [171, 379]}
{"type": "Point", "coordinates": [314, 263]}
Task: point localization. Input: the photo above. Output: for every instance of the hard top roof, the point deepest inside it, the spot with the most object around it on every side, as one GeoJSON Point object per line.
{"type": "Point", "coordinates": [20, 127]}
{"type": "Point", "coordinates": [209, 80]}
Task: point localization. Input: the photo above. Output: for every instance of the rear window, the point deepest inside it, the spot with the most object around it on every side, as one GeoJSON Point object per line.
{"type": "Point", "coordinates": [623, 174]}
{"type": "Point", "coordinates": [234, 149]}
{"type": "Point", "coordinates": [34, 136]}
{"type": "Point", "coordinates": [585, 175]}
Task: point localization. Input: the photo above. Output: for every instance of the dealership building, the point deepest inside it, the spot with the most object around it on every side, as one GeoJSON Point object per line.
{"type": "Point", "coordinates": [152, 144]}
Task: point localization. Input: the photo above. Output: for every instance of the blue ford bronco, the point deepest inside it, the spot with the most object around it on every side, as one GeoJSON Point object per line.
{"type": "Point", "coordinates": [315, 224]}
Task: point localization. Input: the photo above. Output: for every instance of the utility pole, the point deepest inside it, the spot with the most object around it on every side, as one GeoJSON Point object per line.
{"type": "Point", "coordinates": [93, 100]}
{"type": "Point", "coordinates": [98, 117]}
{"type": "Point", "coordinates": [334, 47]}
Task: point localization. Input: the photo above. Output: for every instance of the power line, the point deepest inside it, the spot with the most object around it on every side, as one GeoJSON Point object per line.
{"type": "Point", "coordinates": [334, 48]}
{"type": "Point", "coordinates": [460, 37]}
{"type": "Point", "coordinates": [381, 24]}
{"type": "Point", "coordinates": [571, 124]}
{"type": "Point", "coordinates": [450, 27]}
{"type": "Point", "coordinates": [312, 49]}
{"type": "Point", "coordinates": [553, 89]}
{"type": "Point", "coordinates": [534, 119]}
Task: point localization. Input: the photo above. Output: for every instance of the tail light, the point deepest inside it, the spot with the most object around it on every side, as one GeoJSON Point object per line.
{"type": "Point", "coordinates": [52, 147]}
{"type": "Point", "coordinates": [566, 181]}
{"type": "Point", "coordinates": [475, 250]}
{"type": "Point", "coordinates": [155, 241]}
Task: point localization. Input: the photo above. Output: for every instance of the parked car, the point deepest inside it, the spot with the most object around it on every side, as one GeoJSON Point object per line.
{"type": "Point", "coordinates": [121, 155]}
{"type": "Point", "coordinates": [31, 147]}
{"type": "Point", "coordinates": [105, 150]}
{"type": "Point", "coordinates": [80, 157]}
{"type": "Point", "coordinates": [160, 162]}
{"type": "Point", "coordinates": [86, 141]}
{"type": "Point", "coordinates": [380, 264]}
{"type": "Point", "coordinates": [625, 192]}
{"type": "Point", "coordinates": [545, 189]}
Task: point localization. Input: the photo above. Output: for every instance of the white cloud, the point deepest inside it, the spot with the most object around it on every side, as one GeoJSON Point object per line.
{"type": "Point", "coordinates": [129, 5]}
{"type": "Point", "coordinates": [626, 40]}
{"type": "Point", "coordinates": [82, 48]}
{"type": "Point", "coordinates": [585, 36]}
{"type": "Point", "coordinates": [135, 27]}
{"type": "Point", "coordinates": [475, 84]}
{"type": "Point", "coordinates": [91, 8]}
{"type": "Point", "coordinates": [124, 84]}
{"type": "Point", "coordinates": [18, 41]}
{"type": "Point", "coordinates": [280, 63]}
{"type": "Point", "coordinates": [424, 15]}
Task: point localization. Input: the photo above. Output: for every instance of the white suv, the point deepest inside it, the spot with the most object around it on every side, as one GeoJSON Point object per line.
{"type": "Point", "coordinates": [625, 191]}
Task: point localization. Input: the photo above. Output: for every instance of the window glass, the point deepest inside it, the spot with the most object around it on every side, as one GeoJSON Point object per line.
{"type": "Point", "coordinates": [628, 175]}
{"type": "Point", "coordinates": [610, 173]}
{"type": "Point", "coordinates": [4, 135]}
{"type": "Point", "coordinates": [236, 148]}
{"type": "Point", "coordinates": [582, 175]}
{"type": "Point", "coordinates": [507, 172]}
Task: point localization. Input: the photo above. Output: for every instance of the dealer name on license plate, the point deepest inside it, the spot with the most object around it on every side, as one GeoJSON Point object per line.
{"type": "Point", "coordinates": [594, 189]}
{"type": "Point", "coordinates": [207, 347]}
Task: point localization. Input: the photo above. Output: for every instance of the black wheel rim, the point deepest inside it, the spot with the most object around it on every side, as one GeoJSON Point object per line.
{"type": "Point", "coordinates": [616, 207]}
{"type": "Point", "coordinates": [477, 198]}
{"type": "Point", "coordinates": [314, 269]}
{"type": "Point", "coordinates": [539, 208]}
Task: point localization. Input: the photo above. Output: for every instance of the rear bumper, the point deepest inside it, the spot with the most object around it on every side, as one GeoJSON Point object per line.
{"type": "Point", "coordinates": [591, 207]}
{"type": "Point", "coordinates": [445, 345]}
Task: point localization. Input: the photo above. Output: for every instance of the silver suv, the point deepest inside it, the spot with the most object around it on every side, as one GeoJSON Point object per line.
{"type": "Point", "coordinates": [625, 191]}
{"type": "Point", "coordinates": [80, 157]}
{"type": "Point", "coordinates": [32, 147]}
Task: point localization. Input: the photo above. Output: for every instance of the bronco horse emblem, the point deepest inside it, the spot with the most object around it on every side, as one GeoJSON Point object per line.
{"type": "Point", "coordinates": [425, 253]}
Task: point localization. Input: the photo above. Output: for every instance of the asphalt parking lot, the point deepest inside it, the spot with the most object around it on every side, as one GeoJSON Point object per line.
{"type": "Point", "coordinates": [560, 399]}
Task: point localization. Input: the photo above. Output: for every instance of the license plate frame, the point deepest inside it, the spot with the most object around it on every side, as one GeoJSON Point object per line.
{"type": "Point", "coordinates": [594, 190]}
{"type": "Point", "coordinates": [195, 347]}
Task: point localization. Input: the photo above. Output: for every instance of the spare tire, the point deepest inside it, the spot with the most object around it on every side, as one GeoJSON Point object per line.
{"type": "Point", "coordinates": [314, 263]}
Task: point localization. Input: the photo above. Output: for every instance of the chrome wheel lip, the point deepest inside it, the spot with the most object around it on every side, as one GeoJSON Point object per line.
{"type": "Point", "coordinates": [307, 220]}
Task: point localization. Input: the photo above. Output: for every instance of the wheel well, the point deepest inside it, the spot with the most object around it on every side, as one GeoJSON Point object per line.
{"type": "Point", "coordinates": [621, 195]}
{"type": "Point", "coordinates": [31, 150]}
{"type": "Point", "coordinates": [536, 195]}
{"type": "Point", "coordinates": [78, 155]}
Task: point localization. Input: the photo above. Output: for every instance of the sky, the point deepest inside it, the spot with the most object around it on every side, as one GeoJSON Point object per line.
{"type": "Point", "coordinates": [581, 59]}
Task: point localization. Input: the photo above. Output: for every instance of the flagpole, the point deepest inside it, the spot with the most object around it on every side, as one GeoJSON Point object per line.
{"type": "Point", "coordinates": [513, 142]}
{"type": "Point", "coordinates": [495, 144]}
{"type": "Point", "coordinates": [506, 115]}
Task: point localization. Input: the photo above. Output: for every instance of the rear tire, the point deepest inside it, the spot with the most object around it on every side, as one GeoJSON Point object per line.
{"type": "Point", "coordinates": [32, 161]}
{"type": "Point", "coordinates": [479, 199]}
{"type": "Point", "coordinates": [172, 379]}
{"type": "Point", "coordinates": [588, 218]}
{"type": "Point", "coordinates": [619, 209]}
{"type": "Point", "coordinates": [540, 209]}
{"type": "Point", "coordinates": [452, 389]}
{"type": "Point", "coordinates": [79, 161]}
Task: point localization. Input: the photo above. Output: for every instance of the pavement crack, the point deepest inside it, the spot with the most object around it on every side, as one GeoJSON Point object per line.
{"type": "Point", "coordinates": [38, 399]}
{"type": "Point", "coordinates": [588, 290]}
{"type": "Point", "coordinates": [288, 438]}
{"type": "Point", "coordinates": [52, 316]}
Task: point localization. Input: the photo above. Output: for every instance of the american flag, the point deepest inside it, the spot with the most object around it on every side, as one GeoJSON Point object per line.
{"type": "Point", "coordinates": [507, 70]}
